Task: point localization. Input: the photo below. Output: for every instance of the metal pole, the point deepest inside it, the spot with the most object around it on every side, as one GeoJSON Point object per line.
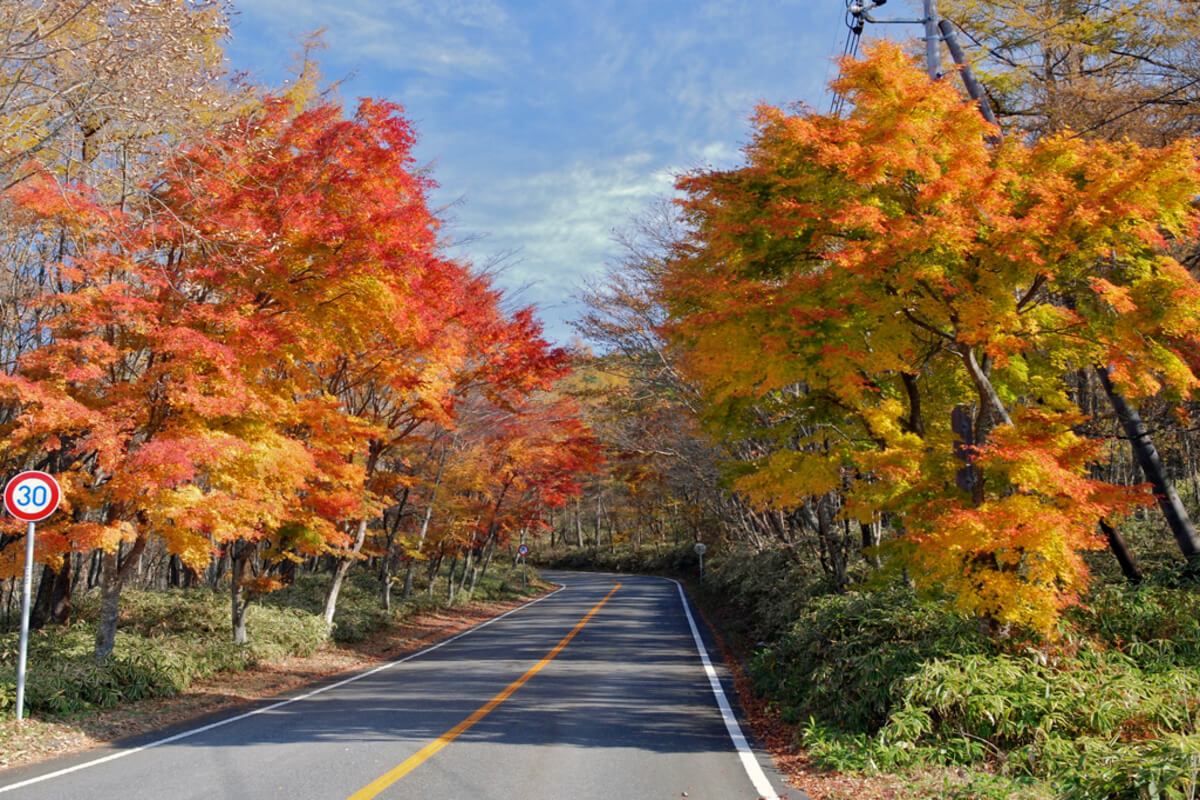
{"type": "Point", "coordinates": [933, 50]}
{"type": "Point", "coordinates": [26, 597]}
{"type": "Point", "coordinates": [701, 564]}
{"type": "Point", "coordinates": [968, 75]}
{"type": "Point", "coordinates": [524, 581]}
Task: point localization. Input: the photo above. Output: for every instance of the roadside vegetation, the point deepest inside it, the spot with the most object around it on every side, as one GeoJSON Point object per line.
{"type": "Point", "coordinates": [167, 640]}
{"type": "Point", "coordinates": [925, 386]}
{"type": "Point", "coordinates": [926, 389]}
{"type": "Point", "coordinates": [232, 332]}
{"type": "Point", "coordinates": [913, 699]}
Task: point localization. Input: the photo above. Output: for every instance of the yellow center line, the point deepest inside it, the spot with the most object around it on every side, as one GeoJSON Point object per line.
{"type": "Point", "coordinates": [417, 759]}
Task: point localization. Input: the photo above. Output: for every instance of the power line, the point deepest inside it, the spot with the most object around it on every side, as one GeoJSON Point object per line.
{"type": "Point", "coordinates": [854, 25]}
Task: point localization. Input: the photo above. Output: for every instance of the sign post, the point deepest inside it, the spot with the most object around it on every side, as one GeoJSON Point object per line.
{"type": "Point", "coordinates": [30, 497]}
{"type": "Point", "coordinates": [523, 551]}
{"type": "Point", "coordinates": [700, 548]}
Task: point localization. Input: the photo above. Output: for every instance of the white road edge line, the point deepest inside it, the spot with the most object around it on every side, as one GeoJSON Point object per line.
{"type": "Point", "coordinates": [749, 762]}
{"type": "Point", "coordinates": [273, 706]}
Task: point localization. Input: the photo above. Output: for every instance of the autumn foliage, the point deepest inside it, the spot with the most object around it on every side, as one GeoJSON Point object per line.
{"type": "Point", "coordinates": [861, 278]}
{"type": "Point", "coordinates": [242, 361]}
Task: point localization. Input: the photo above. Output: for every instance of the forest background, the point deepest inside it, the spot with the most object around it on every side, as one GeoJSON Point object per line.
{"type": "Point", "coordinates": [924, 384]}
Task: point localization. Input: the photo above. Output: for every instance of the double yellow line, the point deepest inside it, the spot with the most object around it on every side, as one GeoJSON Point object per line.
{"type": "Point", "coordinates": [421, 756]}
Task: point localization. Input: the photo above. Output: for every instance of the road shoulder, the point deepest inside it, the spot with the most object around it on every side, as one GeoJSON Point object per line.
{"type": "Point", "coordinates": [25, 746]}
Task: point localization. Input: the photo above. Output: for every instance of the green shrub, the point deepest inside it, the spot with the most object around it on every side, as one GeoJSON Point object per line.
{"type": "Point", "coordinates": [59, 685]}
{"type": "Point", "coordinates": [165, 641]}
{"type": "Point", "coordinates": [846, 656]}
{"type": "Point", "coordinates": [1111, 711]}
{"type": "Point", "coordinates": [359, 613]}
{"type": "Point", "coordinates": [760, 595]}
{"type": "Point", "coordinates": [673, 561]}
{"type": "Point", "coordinates": [1095, 724]}
{"type": "Point", "coordinates": [63, 687]}
{"type": "Point", "coordinates": [1149, 622]}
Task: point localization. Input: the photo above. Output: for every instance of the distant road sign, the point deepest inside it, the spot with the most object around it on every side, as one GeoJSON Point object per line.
{"type": "Point", "coordinates": [523, 550]}
{"type": "Point", "coordinates": [699, 548]}
{"type": "Point", "coordinates": [32, 496]}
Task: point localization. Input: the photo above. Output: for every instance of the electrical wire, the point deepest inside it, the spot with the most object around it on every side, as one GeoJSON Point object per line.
{"type": "Point", "coordinates": [854, 25]}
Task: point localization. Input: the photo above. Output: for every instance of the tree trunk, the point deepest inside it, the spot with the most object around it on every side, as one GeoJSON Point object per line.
{"type": "Point", "coordinates": [915, 422]}
{"type": "Point", "coordinates": [599, 507]}
{"type": "Point", "coordinates": [870, 540]}
{"type": "Point", "coordinates": [385, 567]}
{"type": "Point", "coordinates": [474, 578]}
{"type": "Point", "coordinates": [434, 566]}
{"type": "Point", "coordinates": [339, 574]}
{"type": "Point", "coordinates": [240, 559]}
{"type": "Point", "coordinates": [1120, 549]}
{"type": "Point", "coordinates": [77, 574]}
{"type": "Point", "coordinates": [412, 562]}
{"type": "Point", "coordinates": [110, 598]}
{"type": "Point", "coordinates": [408, 578]}
{"type": "Point", "coordinates": [989, 412]}
{"type": "Point", "coordinates": [489, 550]}
{"type": "Point", "coordinates": [1191, 468]}
{"type": "Point", "coordinates": [181, 576]}
{"type": "Point", "coordinates": [578, 525]}
{"type": "Point", "coordinates": [386, 563]}
{"type": "Point", "coordinates": [113, 573]}
{"type": "Point", "coordinates": [385, 584]}
{"type": "Point", "coordinates": [95, 566]}
{"type": "Point", "coordinates": [219, 570]}
{"type": "Point", "coordinates": [53, 597]}
{"type": "Point", "coordinates": [1147, 457]}
{"type": "Point", "coordinates": [450, 582]}
{"type": "Point", "coordinates": [826, 530]}
{"type": "Point", "coordinates": [462, 582]}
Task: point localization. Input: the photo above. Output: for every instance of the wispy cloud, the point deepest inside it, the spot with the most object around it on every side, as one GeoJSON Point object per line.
{"type": "Point", "coordinates": [558, 225]}
{"type": "Point", "coordinates": [475, 38]}
{"type": "Point", "coordinates": [558, 122]}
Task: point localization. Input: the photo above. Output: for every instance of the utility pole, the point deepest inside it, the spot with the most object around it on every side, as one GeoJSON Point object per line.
{"type": "Point", "coordinates": [859, 11]}
{"type": "Point", "coordinates": [933, 50]}
{"type": "Point", "coordinates": [968, 75]}
{"type": "Point", "coordinates": [937, 31]}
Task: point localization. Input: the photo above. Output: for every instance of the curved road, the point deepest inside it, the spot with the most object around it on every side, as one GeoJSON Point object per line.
{"type": "Point", "coordinates": [587, 693]}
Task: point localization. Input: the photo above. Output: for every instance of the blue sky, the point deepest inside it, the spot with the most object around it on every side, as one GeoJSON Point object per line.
{"type": "Point", "coordinates": [550, 124]}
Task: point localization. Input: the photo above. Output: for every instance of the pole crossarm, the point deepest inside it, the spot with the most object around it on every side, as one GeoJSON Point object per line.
{"type": "Point", "coordinates": [858, 12]}
{"type": "Point", "coordinates": [862, 11]}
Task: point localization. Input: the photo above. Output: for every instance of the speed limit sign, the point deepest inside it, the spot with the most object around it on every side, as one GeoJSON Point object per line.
{"type": "Point", "coordinates": [32, 496]}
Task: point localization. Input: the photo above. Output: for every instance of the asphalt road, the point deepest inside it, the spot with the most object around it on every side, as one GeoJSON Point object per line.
{"type": "Point", "coordinates": [586, 694]}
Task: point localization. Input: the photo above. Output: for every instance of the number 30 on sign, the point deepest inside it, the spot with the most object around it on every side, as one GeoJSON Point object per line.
{"type": "Point", "coordinates": [32, 496]}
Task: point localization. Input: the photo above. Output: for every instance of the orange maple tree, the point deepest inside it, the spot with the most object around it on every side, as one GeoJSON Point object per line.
{"type": "Point", "coordinates": [231, 362]}
{"type": "Point", "coordinates": [860, 278]}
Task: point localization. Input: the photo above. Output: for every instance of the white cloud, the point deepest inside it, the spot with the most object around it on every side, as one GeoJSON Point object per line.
{"type": "Point", "coordinates": [558, 122]}
{"type": "Point", "coordinates": [719, 154]}
{"type": "Point", "coordinates": [559, 224]}
{"type": "Point", "coordinates": [474, 38]}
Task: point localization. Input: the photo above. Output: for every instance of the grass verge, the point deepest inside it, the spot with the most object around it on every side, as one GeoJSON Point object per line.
{"type": "Point", "coordinates": [175, 660]}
